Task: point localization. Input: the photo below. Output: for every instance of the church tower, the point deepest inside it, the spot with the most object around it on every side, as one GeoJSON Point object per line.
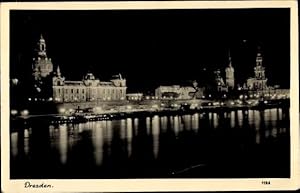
{"type": "Point", "coordinates": [259, 72]}
{"type": "Point", "coordinates": [229, 74]}
{"type": "Point", "coordinates": [259, 82]}
{"type": "Point", "coordinates": [42, 65]}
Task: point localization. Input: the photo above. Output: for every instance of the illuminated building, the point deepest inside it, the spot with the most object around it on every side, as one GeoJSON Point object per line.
{"type": "Point", "coordinates": [229, 73]}
{"type": "Point", "coordinates": [88, 89]}
{"type": "Point", "coordinates": [175, 92]}
{"type": "Point", "coordinates": [259, 82]}
{"type": "Point", "coordinates": [42, 65]}
{"type": "Point", "coordinates": [221, 86]}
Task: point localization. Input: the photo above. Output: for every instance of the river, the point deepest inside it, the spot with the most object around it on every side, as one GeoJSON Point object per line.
{"type": "Point", "coordinates": [235, 144]}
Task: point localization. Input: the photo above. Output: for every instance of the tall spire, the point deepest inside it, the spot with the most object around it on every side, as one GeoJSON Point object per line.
{"type": "Point", "coordinates": [229, 58]}
{"type": "Point", "coordinates": [58, 71]}
{"type": "Point", "coordinates": [259, 58]}
{"type": "Point", "coordinates": [42, 47]}
{"type": "Point", "coordinates": [229, 73]}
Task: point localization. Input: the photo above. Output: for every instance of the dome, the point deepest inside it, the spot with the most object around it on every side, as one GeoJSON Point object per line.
{"type": "Point", "coordinates": [89, 76]}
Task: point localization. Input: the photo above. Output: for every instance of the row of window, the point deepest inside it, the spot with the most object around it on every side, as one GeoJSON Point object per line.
{"type": "Point", "coordinates": [77, 91]}
{"type": "Point", "coordinates": [80, 94]}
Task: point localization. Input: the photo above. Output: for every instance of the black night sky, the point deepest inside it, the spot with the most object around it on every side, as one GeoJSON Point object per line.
{"type": "Point", "coordinates": [154, 47]}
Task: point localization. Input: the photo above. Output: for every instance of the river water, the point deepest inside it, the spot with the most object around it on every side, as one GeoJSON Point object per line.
{"type": "Point", "coordinates": [236, 144]}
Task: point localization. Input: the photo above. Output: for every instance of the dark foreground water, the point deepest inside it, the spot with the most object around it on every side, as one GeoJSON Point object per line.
{"type": "Point", "coordinates": [235, 144]}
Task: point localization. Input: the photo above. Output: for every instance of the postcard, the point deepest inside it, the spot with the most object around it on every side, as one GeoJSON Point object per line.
{"type": "Point", "coordinates": [149, 96]}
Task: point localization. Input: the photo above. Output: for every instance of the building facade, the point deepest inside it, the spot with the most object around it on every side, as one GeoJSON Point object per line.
{"type": "Point", "coordinates": [88, 89]}
{"type": "Point", "coordinates": [134, 96]}
{"type": "Point", "coordinates": [175, 92]}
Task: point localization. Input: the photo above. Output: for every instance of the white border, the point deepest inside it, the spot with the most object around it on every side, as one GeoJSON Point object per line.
{"type": "Point", "coordinates": [153, 185]}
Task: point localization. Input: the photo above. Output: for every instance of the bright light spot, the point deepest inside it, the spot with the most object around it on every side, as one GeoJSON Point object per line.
{"type": "Point", "coordinates": [241, 96]}
{"type": "Point", "coordinates": [154, 106]}
{"type": "Point", "coordinates": [216, 103]}
{"type": "Point", "coordinates": [129, 107]}
{"type": "Point", "coordinates": [14, 112]}
{"type": "Point", "coordinates": [62, 110]}
{"type": "Point", "coordinates": [50, 99]}
{"type": "Point", "coordinates": [24, 112]}
{"type": "Point", "coordinates": [266, 102]}
{"type": "Point", "coordinates": [147, 97]}
{"type": "Point", "coordinates": [15, 81]}
{"type": "Point", "coordinates": [29, 99]}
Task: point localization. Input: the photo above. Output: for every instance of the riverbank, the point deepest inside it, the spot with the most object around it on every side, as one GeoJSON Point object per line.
{"type": "Point", "coordinates": [112, 114]}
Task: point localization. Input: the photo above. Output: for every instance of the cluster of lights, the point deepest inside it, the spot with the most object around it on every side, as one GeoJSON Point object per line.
{"type": "Point", "coordinates": [135, 98]}
{"type": "Point", "coordinates": [66, 111]}
{"type": "Point", "coordinates": [151, 97]}
{"type": "Point", "coordinates": [41, 99]}
{"type": "Point", "coordinates": [243, 97]}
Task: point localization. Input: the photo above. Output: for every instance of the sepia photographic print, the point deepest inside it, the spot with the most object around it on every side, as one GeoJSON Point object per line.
{"type": "Point", "coordinates": [149, 96]}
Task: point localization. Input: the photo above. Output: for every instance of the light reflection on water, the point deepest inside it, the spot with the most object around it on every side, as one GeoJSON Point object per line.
{"type": "Point", "coordinates": [63, 143]}
{"type": "Point", "coordinates": [130, 134]}
{"type": "Point", "coordinates": [176, 124]}
{"type": "Point", "coordinates": [155, 134]}
{"type": "Point", "coordinates": [98, 141]}
{"type": "Point", "coordinates": [26, 141]}
{"type": "Point", "coordinates": [14, 143]}
{"type": "Point", "coordinates": [63, 137]}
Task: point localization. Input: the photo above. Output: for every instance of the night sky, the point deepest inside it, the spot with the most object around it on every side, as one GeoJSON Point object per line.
{"type": "Point", "coordinates": [154, 47]}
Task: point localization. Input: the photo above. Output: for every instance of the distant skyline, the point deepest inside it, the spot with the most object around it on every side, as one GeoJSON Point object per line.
{"type": "Point", "coordinates": [154, 47]}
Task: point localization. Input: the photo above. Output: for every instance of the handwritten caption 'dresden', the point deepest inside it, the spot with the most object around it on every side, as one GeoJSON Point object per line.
{"type": "Point", "coordinates": [28, 184]}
